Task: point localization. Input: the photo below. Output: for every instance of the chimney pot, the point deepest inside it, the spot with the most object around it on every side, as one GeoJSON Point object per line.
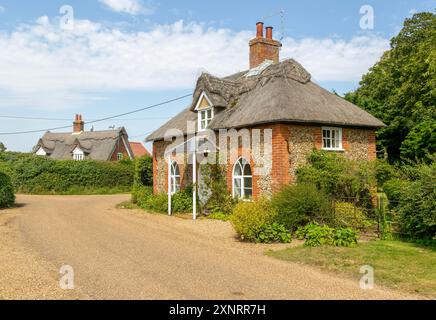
{"type": "Point", "coordinates": [269, 33]}
{"type": "Point", "coordinates": [78, 124]}
{"type": "Point", "coordinates": [262, 49]}
{"type": "Point", "coordinates": [259, 27]}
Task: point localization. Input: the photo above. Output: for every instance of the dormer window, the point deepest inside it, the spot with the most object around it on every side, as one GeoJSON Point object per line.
{"type": "Point", "coordinates": [78, 154]}
{"type": "Point", "coordinates": [204, 118]}
{"type": "Point", "coordinates": [205, 112]}
{"type": "Point", "coordinates": [41, 152]}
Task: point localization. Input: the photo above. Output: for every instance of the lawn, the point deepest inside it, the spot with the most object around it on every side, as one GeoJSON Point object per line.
{"type": "Point", "coordinates": [399, 265]}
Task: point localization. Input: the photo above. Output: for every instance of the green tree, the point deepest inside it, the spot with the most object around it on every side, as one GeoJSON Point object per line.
{"type": "Point", "coordinates": [401, 91]}
{"type": "Point", "coordinates": [2, 147]}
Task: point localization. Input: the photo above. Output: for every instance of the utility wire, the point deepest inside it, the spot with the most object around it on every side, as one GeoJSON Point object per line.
{"type": "Point", "coordinates": [100, 120]}
{"type": "Point", "coordinates": [64, 119]}
{"type": "Point", "coordinates": [141, 135]}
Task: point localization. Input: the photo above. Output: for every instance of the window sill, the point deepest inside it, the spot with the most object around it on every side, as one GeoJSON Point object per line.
{"type": "Point", "coordinates": [334, 150]}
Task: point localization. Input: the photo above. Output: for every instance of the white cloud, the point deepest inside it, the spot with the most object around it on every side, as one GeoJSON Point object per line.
{"type": "Point", "coordinates": [2, 9]}
{"type": "Point", "coordinates": [45, 66]}
{"type": "Point", "coordinates": [133, 7]}
{"type": "Point", "coordinates": [412, 11]}
{"type": "Point", "coordinates": [336, 59]}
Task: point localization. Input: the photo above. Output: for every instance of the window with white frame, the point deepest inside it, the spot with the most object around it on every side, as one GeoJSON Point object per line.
{"type": "Point", "coordinates": [78, 154]}
{"type": "Point", "coordinates": [205, 116]}
{"type": "Point", "coordinates": [331, 138]}
{"type": "Point", "coordinates": [175, 177]}
{"type": "Point", "coordinates": [120, 156]}
{"type": "Point", "coordinates": [242, 180]}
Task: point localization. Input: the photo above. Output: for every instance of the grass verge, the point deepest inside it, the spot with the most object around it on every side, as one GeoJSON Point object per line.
{"type": "Point", "coordinates": [399, 265]}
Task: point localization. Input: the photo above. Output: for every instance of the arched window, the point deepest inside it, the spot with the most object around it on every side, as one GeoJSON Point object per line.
{"type": "Point", "coordinates": [175, 177]}
{"type": "Point", "coordinates": [242, 180]}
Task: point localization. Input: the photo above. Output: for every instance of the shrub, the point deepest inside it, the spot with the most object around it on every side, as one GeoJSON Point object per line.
{"type": "Point", "coordinates": [297, 205]}
{"type": "Point", "coordinates": [249, 218]}
{"type": "Point", "coordinates": [219, 216]}
{"type": "Point", "coordinates": [384, 172]}
{"type": "Point", "coordinates": [273, 233]}
{"type": "Point", "coordinates": [316, 235]}
{"type": "Point", "coordinates": [338, 176]}
{"type": "Point", "coordinates": [394, 189]}
{"type": "Point", "coordinates": [181, 201]}
{"type": "Point", "coordinates": [144, 171]}
{"type": "Point", "coordinates": [140, 194]}
{"type": "Point", "coordinates": [344, 237]}
{"type": "Point", "coordinates": [417, 204]}
{"type": "Point", "coordinates": [156, 203]}
{"type": "Point", "coordinates": [7, 197]}
{"type": "Point", "coordinates": [349, 215]}
{"type": "Point", "coordinates": [219, 200]}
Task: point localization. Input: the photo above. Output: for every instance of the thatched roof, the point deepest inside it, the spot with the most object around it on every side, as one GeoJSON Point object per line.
{"type": "Point", "coordinates": [281, 92]}
{"type": "Point", "coordinates": [97, 145]}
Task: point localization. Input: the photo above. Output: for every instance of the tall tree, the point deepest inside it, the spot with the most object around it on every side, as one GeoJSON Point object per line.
{"type": "Point", "coordinates": [401, 91]}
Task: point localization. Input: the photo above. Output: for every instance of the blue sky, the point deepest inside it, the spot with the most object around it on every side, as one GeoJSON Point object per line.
{"type": "Point", "coordinates": [121, 55]}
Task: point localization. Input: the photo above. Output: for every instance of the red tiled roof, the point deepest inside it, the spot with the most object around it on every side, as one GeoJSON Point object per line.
{"type": "Point", "coordinates": [138, 149]}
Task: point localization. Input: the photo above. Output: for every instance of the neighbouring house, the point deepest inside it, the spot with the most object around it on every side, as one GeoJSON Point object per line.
{"type": "Point", "coordinates": [273, 95]}
{"type": "Point", "coordinates": [139, 150]}
{"type": "Point", "coordinates": [107, 145]}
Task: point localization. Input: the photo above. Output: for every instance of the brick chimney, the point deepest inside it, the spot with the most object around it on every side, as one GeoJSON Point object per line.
{"type": "Point", "coordinates": [78, 124]}
{"type": "Point", "coordinates": [262, 49]}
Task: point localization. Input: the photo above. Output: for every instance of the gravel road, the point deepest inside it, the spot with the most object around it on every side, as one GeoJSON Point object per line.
{"type": "Point", "coordinates": [127, 254]}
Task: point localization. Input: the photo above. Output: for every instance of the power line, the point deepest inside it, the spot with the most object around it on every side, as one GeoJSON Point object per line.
{"type": "Point", "coordinates": [65, 119]}
{"type": "Point", "coordinates": [103, 119]}
{"type": "Point", "coordinates": [141, 135]}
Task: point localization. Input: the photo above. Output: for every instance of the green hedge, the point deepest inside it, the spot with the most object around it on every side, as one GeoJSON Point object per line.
{"type": "Point", "coordinates": [40, 175]}
{"type": "Point", "coordinates": [144, 171]}
{"type": "Point", "coordinates": [7, 197]}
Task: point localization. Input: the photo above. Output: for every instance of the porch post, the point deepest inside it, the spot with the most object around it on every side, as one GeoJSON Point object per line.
{"type": "Point", "coordinates": [194, 189]}
{"type": "Point", "coordinates": [169, 185]}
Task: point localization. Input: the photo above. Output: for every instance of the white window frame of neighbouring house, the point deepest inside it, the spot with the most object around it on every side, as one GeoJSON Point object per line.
{"type": "Point", "coordinates": [242, 178]}
{"type": "Point", "coordinates": [332, 138]}
{"type": "Point", "coordinates": [175, 177]}
{"type": "Point", "coordinates": [78, 154]}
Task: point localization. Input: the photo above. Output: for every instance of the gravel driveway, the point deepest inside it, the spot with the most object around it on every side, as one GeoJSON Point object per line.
{"type": "Point", "coordinates": [127, 254]}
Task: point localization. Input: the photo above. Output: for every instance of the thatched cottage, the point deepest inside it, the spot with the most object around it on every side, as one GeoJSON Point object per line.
{"type": "Point", "coordinates": [105, 145]}
{"type": "Point", "coordinates": [274, 95]}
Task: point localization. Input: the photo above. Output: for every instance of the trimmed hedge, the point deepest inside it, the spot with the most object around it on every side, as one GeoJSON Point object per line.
{"type": "Point", "coordinates": [7, 197]}
{"type": "Point", "coordinates": [40, 175]}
